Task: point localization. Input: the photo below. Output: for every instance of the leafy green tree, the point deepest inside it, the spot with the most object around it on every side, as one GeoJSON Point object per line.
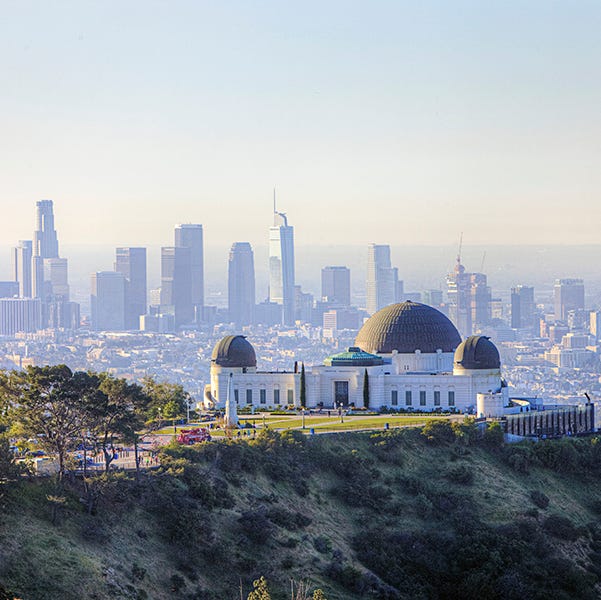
{"type": "Point", "coordinates": [260, 590]}
{"type": "Point", "coordinates": [166, 400]}
{"type": "Point", "coordinates": [466, 431]}
{"type": "Point", "coordinates": [366, 389]}
{"type": "Point", "coordinates": [303, 387]}
{"type": "Point", "coordinates": [114, 414]}
{"type": "Point", "coordinates": [47, 403]}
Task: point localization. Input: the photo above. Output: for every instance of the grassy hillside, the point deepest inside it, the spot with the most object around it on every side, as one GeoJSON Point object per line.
{"type": "Point", "coordinates": [384, 515]}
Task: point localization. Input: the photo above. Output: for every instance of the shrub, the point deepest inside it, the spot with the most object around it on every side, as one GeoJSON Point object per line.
{"type": "Point", "coordinates": [560, 527]}
{"type": "Point", "coordinates": [438, 433]}
{"type": "Point", "coordinates": [322, 544]}
{"type": "Point", "coordinates": [461, 474]}
{"type": "Point", "coordinates": [539, 499]}
{"type": "Point", "coordinates": [256, 526]}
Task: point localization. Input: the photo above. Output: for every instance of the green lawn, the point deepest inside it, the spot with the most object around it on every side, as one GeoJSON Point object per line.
{"type": "Point", "coordinates": [320, 422]}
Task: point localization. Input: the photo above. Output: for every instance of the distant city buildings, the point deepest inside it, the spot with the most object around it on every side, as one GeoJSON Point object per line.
{"type": "Point", "coordinates": [336, 285]}
{"type": "Point", "coordinates": [176, 280]}
{"type": "Point", "coordinates": [241, 284]}
{"type": "Point", "coordinates": [131, 263]}
{"type": "Point", "coordinates": [469, 299]}
{"type": "Point", "coordinates": [107, 301]}
{"type": "Point", "coordinates": [383, 285]}
{"type": "Point", "coordinates": [190, 236]}
{"type": "Point", "coordinates": [523, 307]}
{"type": "Point", "coordinates": [281, 266]}
{"type": "Point", "coordinates": [568, 296]}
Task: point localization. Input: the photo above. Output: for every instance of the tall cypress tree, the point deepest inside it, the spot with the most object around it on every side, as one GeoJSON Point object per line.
{"type": "Point", "coordinates": [303, 387]}
{"type": "Point", "coordinates": [366, 390]}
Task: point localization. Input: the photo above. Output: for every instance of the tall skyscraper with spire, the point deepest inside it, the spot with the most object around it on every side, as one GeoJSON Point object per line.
{"type": "Point", "coordinates": [241, 284]}
{"type": "Point", "coordinates": [45, 240]}
{"type": "Point", "coordinates": [49, 273]}
{"type": "Point", "coordinates": [281, 264]}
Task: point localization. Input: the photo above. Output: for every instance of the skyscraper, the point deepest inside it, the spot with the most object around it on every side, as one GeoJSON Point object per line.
{"type": "Point", "coordinates": [241, 284]}
{"type": "Point", "coordinates": [382, 279]}
{"type": "Point", "coordinates": [107, 300]}
{"type": "Point", "coordinates": [45, 241]}
{"type": "Point", "coordinates": [131, 263]}
{"type": "Point", "coordinates": [22, 259]}
{"type": "Point", "coordinates": [281, 265]}
{"type": "Point", "coordinates": [568, 296]}
{"type": "Point", "coordinates": [176, 291]}
{"type": "Point", "coordinates": [336, 285]}
{"type": "Point", "coordinates": [522, 307]}
{"type": "Point", "coordinates": [460, 298]}
{"type": "Point", "coordinates": [191, 236]}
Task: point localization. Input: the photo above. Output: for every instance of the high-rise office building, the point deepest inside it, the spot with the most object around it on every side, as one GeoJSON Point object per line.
{"type": "Point", "coordinates": [336, 285]}
{"type": "Point", "coordinates": [480, 299]}
{"type": "Point", "coordinates": [523, 308]}
{"type": "Point", "coordinates": [19, 315]}
{"type": "Point", "coordinates": [131, 263]}
{"type": "Point", "coordinates": [107, 301]}
{"type": "Point", "coordinates": [9, 289]}
{"type": "Point", "coordinates": [191, 236]}
{"type": "Point", "coordinates": [176, 291]}
{"type": "Point", "coordinates": [281, 265]}
{"type": "Point", "coordinates": [45, 241]}
{"type": "Point", "coordinates": [56, 279]}
{"type": "Point", "coordinates": [568, 296]}
{"type": "Point", "coordinates": [241, 284]}
{"type": "Point", "coordinates": [383, 285]}
{"type": "Point", "coordinates": [595, 324]}
{"type": "Point", "coordinates": [22, 258]}
{"type": "Point", "coordinates": [469, 299]}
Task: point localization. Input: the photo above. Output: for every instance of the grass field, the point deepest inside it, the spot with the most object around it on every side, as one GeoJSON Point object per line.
{"type": "Point", "coordinates": [320, 423]}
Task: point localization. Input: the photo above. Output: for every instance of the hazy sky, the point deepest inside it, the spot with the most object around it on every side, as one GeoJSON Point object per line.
{"type": "Point", "coordinates": [395, 122]}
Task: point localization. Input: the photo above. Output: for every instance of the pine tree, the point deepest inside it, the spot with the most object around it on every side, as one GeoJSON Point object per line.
{"type": "Point", "coordinates": [366, 390]}
{"type": "Point", "coordinates": [303, 387]}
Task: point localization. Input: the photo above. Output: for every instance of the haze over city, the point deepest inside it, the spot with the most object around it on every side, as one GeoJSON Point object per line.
{"type": "Point", "coordinates": [300, 300]}
{"type": "Point", "coordinates": [409, 122]}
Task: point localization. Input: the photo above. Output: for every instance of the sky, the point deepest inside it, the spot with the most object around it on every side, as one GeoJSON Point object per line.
{"type": "Point", "coordinates": [389, 122]}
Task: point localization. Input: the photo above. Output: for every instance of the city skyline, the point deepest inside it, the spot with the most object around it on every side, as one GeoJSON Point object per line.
{"type": "Point", "coordinates": [473, 118]}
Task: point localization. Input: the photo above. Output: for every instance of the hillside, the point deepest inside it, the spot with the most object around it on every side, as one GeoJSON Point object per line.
{"type": "Point", "coordinates": [384, 515]}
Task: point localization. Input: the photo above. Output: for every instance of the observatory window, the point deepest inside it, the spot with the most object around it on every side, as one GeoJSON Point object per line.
{"type": "Point", "coordinates": [263, 396]}
{"type": "Point", "coordinates": [290, 396]}
{"type": "Point", "coordinates": [451, 398]}
{"type": "Point", "coordinates": [276, 396]}
{"type": "Point", "coordinates": [436, 398]}
{"type": "Point", "coordinates": [408, 400]}
{"type": "Point", "coordinates": [394, 398]}
{"type": "Point", "coordinates": [249, 396]}
{"type": "Point", "coordinates": [422, 398]}
{"type": "Point", "coordinates": [236, 396]}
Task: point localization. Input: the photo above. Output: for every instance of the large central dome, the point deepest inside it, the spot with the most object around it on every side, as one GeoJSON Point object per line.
{"type": "Point", "coordinates": [407, 327]}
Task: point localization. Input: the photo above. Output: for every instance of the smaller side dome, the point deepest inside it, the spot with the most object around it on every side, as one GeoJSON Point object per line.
{"type": "Point", "coordinates": [477, 352]}
{"type": "Point", "coordinates": [234, 351]}
{"type": "Point", "coordinates": [353, 357]}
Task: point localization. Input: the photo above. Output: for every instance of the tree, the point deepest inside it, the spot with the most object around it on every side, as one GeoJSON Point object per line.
{"type": "Point", "coordinates": [162, 395]}
{"type": "Point", "coordinates": [115, 413]}
{"type": "Point", "coordinates": [303, 387]}
{"type": "Point", "coordinates": [366, 390]}
{"type": "Point", "coordinates": [47, 403]}
{"type": "Point", "coordinates": [260, 590]}
{"type": "Point", "coordinates": [493, 435]}
{"type": "Point", "coordinates": [319, 595]}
